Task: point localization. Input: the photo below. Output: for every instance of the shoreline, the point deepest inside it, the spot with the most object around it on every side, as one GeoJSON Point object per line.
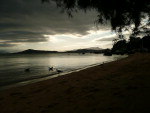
{"type": "Point", "coordinates": [51, 76]}
{"type": "Point", "coordinates": [120, 86]}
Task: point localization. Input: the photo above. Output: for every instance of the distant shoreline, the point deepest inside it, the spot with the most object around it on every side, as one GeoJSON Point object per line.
{"type": "Point", "coordinates": [32, 51]}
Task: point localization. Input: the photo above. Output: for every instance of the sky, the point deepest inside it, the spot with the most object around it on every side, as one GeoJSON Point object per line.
{"type": "Point", "coordinates": [29, 24]}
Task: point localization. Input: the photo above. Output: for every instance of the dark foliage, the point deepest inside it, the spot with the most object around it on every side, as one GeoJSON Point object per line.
{"type": "Point", "coordinates": [135, 44]}
{"type": "Point", "coordinates": [120, 47]}
{"type": "Point", "coordinates": [146, 42]}
{"type": "Point", "coordinates": [121, 13]}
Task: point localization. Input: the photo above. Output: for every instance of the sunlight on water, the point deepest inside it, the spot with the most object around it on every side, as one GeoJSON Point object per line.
{"type": "Point", "coordinates": [12, 68]}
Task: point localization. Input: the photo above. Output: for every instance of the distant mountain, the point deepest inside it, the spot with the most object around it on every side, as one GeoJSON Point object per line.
{"type": "Point", "coordinates": [94, 48]}
{"type": "Point", "coordinates": [31, 51]}
{"type": "Point", "coordinates": [88, 50]}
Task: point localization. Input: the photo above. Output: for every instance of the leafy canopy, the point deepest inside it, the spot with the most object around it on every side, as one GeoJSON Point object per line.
{"type": "Point", "coordinates": [122, 14]}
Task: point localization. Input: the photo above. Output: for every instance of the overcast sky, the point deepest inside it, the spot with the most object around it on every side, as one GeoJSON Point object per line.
{"type": "Point", "coordinates": [29, 24]}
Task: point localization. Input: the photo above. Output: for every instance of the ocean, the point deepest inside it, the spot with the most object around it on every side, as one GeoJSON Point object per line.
{"type": "Point", "coordinates": [12, 67]}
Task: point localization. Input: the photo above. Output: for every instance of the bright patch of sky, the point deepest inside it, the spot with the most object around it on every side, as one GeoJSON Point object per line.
{"type": "Point", "coordinates": [69, 42]}
{"type": "Point", "coordinates": [101, 39]}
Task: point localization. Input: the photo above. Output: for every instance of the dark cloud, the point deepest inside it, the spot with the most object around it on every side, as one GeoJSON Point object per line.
{"type": "Point", "coordinates": [22, 36]}
{"type": "Point", "coordinates": [29, 20]}
{"type": "Point", "coordinates": [4, 44]}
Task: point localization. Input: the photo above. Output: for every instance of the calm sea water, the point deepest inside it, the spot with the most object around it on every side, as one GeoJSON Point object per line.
{"type": "Point", "coordinates": [12, 67]}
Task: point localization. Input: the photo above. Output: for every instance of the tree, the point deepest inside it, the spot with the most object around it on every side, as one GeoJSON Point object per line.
{"type": "Point", "coordinates": [122, 14]}
{"type": "Point", "coordinates": [134, 43]}
{"type": "Point", "coordinates": [120, 47]}
{"type": "Point", "coordinates": [146, 42]}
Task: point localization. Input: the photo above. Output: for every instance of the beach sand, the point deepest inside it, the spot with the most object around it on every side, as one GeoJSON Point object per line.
{"type": "Point", "coordinates": [121, 86]}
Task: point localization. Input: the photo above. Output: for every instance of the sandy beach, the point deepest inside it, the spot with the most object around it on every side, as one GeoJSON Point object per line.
{"type": "Point", "coordinates": [121, 86]}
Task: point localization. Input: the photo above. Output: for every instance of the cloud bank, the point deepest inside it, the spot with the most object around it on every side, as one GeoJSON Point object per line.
{"type": "Point", "coordinates": [25, 21]}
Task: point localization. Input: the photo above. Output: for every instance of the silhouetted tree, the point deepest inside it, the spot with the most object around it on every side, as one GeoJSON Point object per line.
{"type": "Point", "coordinates": [134, 43]}
{"type": "Point", "coordinates": [120, 47]}
{"type": "Point", "coordinates": [122, 14]}
{"type": "Point", "coordinates": [146, 42]}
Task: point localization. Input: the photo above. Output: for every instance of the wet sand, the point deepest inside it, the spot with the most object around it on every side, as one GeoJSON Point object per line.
{"type": "Point", "coordinates": [121, 86]}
